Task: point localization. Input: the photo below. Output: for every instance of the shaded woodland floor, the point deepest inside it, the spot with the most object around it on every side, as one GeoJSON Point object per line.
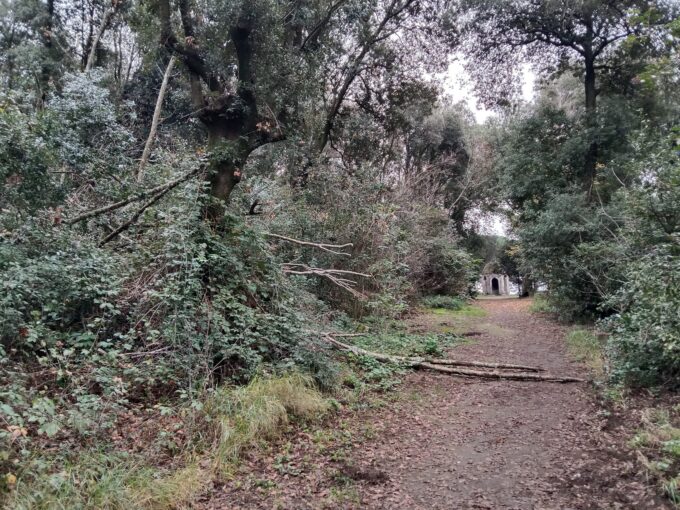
{"type": "Point", "coordinates": [446, 442]}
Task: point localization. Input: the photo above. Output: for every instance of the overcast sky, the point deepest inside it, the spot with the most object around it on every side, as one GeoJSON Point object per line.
{"type": "Point", "coordinates": [460, 88]}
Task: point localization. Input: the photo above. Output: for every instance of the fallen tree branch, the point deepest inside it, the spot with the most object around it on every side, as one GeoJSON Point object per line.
{"type": "Point", "coordinates": [428, 364]}
{"type": "Point", "coordinates": [481, 364]}
{"type": "Point", "coordinates": [330, 248]}
{"type": "Point", "coordinates": [134, 218]}
{"type": "Point", "coordinates": [498, 375]}
{"type": "Point", "coordinates": [438, 361]}
{"type": "Point", "coordinates": [152, 192]}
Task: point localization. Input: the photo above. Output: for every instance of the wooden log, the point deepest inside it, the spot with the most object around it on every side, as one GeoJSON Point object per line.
{"type": "Point", "coordinates": [498, 375]}
{"type": "Point", "coordinates": [483, 364]}
{"type": "Point", "coordinates": [423, 363]}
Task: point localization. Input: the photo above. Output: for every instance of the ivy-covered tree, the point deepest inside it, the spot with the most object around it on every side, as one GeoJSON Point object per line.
{"type": "Point", "coordinates": [253, 70]}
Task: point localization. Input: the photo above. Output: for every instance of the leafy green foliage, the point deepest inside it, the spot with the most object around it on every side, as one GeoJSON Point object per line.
{"type": "Point", "coordinates": [645, 343]}
{"type": "Point", "coordinates": [447, 302]}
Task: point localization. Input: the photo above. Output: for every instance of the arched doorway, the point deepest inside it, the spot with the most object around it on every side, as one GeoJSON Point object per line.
{"type": "Point", "coordinates": [494, 287]}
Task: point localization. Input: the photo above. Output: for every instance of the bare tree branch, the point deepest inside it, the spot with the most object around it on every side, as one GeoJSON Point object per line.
{"type": "Point", "coordinates": [135, 217]}
{"type": "Point", "coordinates": [136, 198]}
{"type": "Point", "coordinates": [330, 248]}
{"type": "Point", "coordinates": [333, 275]}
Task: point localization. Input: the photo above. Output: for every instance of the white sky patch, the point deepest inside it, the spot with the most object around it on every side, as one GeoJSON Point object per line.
{"type": "Point", "coordinates": [460, 88]}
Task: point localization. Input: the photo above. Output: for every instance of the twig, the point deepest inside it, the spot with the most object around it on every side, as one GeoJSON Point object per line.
{"type": "Point", "coordinates": [330, 274]}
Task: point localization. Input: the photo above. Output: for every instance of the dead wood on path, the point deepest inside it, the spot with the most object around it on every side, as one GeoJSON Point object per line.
{"type": "Point", "coordinates": [500, 371]}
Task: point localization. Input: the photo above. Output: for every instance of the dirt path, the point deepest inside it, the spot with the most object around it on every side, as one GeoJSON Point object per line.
{"type": "Point", "coordinates": [451, 443]}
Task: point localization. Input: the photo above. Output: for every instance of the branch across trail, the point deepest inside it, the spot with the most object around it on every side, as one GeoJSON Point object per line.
{"type": "Point", "coordinates": [450, 366]}
{"type": "Point", "coordinates": [482, 364]}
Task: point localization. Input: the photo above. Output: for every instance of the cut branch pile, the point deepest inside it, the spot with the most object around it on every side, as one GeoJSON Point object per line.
{"type": "Point", "coordinates": [450, 366]}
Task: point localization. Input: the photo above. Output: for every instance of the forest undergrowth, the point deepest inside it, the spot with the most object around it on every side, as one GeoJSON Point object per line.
{"type": "Point", "coordinates": [196, 195]}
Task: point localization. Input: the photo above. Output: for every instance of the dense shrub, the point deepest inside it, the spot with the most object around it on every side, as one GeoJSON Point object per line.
{"type": "Point", "coordinates": [447, 302]}
{"type": "Point", "coordinates": [645, 342]}
{"type": "Point", "coordinates": [52, 288]}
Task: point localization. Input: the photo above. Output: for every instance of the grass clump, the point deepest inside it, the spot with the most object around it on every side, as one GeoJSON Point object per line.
{"type": "Point", "coordinates": [585, 347]}
{"type": "Point", "coordinates": [238, 418]}
{"type": "Point", "coordinates": [541, 304]}
{"type": "Point", "coordinates": [446, 302]}
{"type": "Point", "coordinates": [451, 306]}
{"type": "Point", "coordinates": [103, 481]}
{"type": "Point", "coordinates": [658, 445]}
{"type": "Point", "coordinates": [465, 311]}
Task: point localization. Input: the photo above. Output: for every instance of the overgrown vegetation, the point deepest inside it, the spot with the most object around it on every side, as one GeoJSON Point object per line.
{"type": "Point", "coordinates": [279, 197]}
{"type": "Point", "coordinates": [658, 445]}
{"type": "Point", "coordinates": [192, 192]}
{"type": "Point", "coordinates": [586, 347]}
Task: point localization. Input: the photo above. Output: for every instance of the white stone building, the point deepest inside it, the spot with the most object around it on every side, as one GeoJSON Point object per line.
{"type": "Point", "coordinates": [495, 284]}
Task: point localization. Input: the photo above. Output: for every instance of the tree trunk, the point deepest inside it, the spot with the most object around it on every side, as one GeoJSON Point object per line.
{"type": "Point", "coordinates": [229, 153]}
{"type": "Point", "coordinates": [46, 71]}
{"type": "Point", "coordinates": [590, 169]}
{"type": "Point", "coordinates": [527, 287]}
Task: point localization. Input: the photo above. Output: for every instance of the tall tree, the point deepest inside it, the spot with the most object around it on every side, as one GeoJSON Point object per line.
{"type": "Point", "coordinates": [248, 90]}
{"type": "Point", "coordinates": [579, 34]}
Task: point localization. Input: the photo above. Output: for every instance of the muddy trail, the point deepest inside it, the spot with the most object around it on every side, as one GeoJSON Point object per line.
{"type": "Point", "coordinates": [445, 442]}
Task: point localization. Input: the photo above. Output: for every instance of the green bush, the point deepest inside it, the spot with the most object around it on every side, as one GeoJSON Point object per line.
{"type": "Point", "coordinates": [447, 302]}
{"type": "Point", "coordinates": [447, 269]}
{"type": "Point", "coordinates": [644, 347]}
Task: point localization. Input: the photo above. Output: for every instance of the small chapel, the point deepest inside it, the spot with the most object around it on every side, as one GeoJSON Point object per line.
{"type": "Point", "coordinates": [494, 284]}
